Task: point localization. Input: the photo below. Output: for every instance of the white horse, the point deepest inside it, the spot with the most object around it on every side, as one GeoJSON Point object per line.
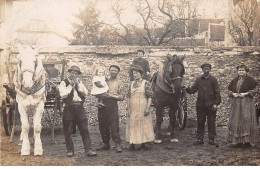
{"type": "Point", "coordinates": [29, 80]}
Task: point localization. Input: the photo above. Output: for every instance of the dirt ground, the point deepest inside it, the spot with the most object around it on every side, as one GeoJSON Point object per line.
{"type": "Point", "coordinates": [165, 154]}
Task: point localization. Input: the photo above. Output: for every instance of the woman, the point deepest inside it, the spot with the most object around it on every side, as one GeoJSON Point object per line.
{"type": "Point", "coordinates": [242, 127]}
{"type": "Point", "coordinates": [139, 128]}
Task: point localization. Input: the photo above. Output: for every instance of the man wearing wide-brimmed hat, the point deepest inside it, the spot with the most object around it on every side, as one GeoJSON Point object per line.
{"type": "Point", "coordinates": [73, 93]}
{"type": "Point", "coordinates": [208, 99]}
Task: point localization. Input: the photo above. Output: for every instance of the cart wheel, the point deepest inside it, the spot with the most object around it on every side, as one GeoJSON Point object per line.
{"type": "Point", "coordinates": [182, 112]}
{"type": "Point", "coordinates": [7, 119]}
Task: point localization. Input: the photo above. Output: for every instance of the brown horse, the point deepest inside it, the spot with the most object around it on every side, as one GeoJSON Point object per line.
{"type": "Point", "coordinates": [167, 90]}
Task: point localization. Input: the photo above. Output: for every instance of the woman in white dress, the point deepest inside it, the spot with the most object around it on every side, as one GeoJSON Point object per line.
{"type": "Point", "coordinates": [139, 128]}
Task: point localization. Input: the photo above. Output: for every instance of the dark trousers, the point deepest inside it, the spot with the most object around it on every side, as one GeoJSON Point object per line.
{"type": "Point", "coordinates": [81, 123]}
{"type": "Point", "coordinates": [109, 121]}
{"type": "Point", "coordinates": [204, 113]}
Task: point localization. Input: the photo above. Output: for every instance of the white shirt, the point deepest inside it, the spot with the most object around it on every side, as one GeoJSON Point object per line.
{"type": "Point", "coordinates": [65, 91]}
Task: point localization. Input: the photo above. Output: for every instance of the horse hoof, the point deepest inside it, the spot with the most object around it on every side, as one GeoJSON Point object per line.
{"type": "Point", "coordinates": [174, 140]}
{"type": "Point", "coordinates": [25, 152]}
{"type": "Point", "coordinates": [38, 152]}
{"type": "Point", "coordinates": [157, 141]}
{"type": "Point", "coordinates": [168, 133]}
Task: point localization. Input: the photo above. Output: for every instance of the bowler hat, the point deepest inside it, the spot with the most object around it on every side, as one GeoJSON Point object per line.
{"type": "Point", "coordinates": [137, 68]}
{"type": "Point", "coordinates": [205, 65]}
{"type": "Point", "coordinates": [74, 68]}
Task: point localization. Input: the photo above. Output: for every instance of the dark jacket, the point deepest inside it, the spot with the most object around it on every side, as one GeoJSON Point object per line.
{"type": "Point", "coordinates": [69, 99]}
{"type": "Point", "coordinates": [248, 84]}
{"type": "Point", "coordinates": [208, 91]}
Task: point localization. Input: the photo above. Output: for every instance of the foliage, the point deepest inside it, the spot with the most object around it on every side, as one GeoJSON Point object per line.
{"type": "Point", "coordinates": [161, 22]}
{"type": "Point", "coordinates": [86, 30]}
{"type": "Point", "coordinates": [242, 25]}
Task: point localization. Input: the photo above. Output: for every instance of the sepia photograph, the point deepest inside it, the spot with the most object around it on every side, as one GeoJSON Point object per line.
{"type": "Point", "coordinates": [129, 83]}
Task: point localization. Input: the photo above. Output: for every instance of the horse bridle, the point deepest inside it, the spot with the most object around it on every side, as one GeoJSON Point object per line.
{"type": "Point", "coordinates": [172, 85]}
{"type": "Point", "coordinates": [30, 71]}
{"type": "Point", "coordinates": [172, 80]}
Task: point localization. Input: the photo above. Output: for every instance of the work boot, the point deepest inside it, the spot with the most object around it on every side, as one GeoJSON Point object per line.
{"type": "Point", "coordinates": [105, 146]}
{"type": "Point", "coordinates": [214, 143]}
{"type": "Point", "coordinates": [70, 154]}
{"type": "Point", "coordinates": [90, 153]}
{"type": "Point", "coordinates": [247, 145]}
{"type": "Point", "coordinates": [131, 147]}
{"type": "Point", "coordinates": [142, 146]}
{"type": "Point", "coordinates": [198, 142]}
{"type": "Point", "coordinates": [118, 148]}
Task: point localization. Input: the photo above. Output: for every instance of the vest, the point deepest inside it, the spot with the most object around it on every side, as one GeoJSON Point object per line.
{"type": "Point", "coordinates": [69, 99]}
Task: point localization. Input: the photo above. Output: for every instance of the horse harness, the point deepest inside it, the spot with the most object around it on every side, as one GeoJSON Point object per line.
{"type": "Point", "coordinates": [38, 80]}
{"type": "Point", "coordinates": [163, 83]}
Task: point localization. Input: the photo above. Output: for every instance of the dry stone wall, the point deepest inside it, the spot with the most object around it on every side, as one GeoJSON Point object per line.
{"type": "Point", "coordinates": [223, 60]}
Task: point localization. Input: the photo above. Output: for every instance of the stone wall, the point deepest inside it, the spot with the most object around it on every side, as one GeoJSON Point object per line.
{"type": "Point", "coordinates": [223, 60]}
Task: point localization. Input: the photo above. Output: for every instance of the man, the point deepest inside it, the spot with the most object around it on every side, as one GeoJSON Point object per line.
{"type": "Point", "coordinates": [108, 112]}
{"type": "Point", "coordinates": [73, 93]}
{"type": "Point", "coordinates": [207, 103]}
{"type": "Point", "coordinates": [143, 63]}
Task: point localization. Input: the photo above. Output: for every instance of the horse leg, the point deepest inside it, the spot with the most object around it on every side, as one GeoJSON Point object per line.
{"type": "Point", "coordinates": [172, 116]}
{"type": "Point", "coordinates": [159, 120]}
{"type": "Point", "coordinates": [21, 135]}
{"type": "Point", "coordinates": [25, 150]}
{"type": "Point", "coordinates": [169, 129]}
{"type": "Point", "coordinates": [21, 139]}
{"type": "Point", "coordinates": [37, 130]}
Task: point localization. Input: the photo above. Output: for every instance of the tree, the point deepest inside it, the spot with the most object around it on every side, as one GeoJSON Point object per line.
{"type": "Point", "coordinates": [242, 25]}
{"type": "Point", "coordinates": [162, 21]}
{"type": "Point", "coordinates": [127, 32]}
{"type": "Point", "coordinates": [86, 30]}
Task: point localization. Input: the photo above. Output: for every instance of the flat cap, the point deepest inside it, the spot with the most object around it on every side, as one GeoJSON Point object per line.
{"type": "Point", "coordinates": [205, 65]}
{"type": "Point", "coordinates": [115, 66]}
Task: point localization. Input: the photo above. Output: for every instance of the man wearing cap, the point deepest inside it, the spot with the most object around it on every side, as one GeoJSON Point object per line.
{"type": "Point", "coordinates": [108, 113]}
{"type": "Point", "coordinates": [207, 102]}
{"type": "Point", "coordinates": [143, 63]}
{"type": "Point", "coordinates": [73, 93]}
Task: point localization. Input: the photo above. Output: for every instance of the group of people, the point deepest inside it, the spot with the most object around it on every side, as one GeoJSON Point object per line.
{"type": "Point", "coordinates": [242, 128]}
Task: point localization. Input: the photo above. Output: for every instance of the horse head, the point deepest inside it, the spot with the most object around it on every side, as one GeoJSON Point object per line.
{"type": "Point", "coordinates": [29, 65]}
{"type": "Point", "coordinates": [173, 72]}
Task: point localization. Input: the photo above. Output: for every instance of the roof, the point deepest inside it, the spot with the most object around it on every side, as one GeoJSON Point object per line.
{"type": "Point", "coordinates": [38, 26]}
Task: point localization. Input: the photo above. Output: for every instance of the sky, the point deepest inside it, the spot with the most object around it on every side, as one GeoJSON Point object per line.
{"type": "Point", "coordinates": [59, 13]}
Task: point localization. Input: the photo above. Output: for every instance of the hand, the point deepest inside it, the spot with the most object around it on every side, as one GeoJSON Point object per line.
{"type": "Point", "coordinates": [235, 95]}
{"type": "Point", "coordinates": [100, 105]}
{"type": "Point", "coordinates": [215, 107]}
{"type": "Point", "coordinates": [106, 95]}
{"type": "Point", "coordinates": [72, 83]}
{"type": "Point", "coordinates": [146, 113]}
{"type": "Point", "coordinates": [242, 94]}
{"type": "Point", "coordinates": [98, 84]}
{"type": "Point", "coordinates": [77, 81]}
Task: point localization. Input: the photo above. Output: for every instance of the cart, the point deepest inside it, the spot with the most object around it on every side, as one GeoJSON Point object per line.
{"type": "Point", "coordinates": [9, 110]}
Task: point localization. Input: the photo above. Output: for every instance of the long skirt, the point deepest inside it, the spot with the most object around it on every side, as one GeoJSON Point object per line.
{"type": "Point", "coordinates": [242, 127]}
